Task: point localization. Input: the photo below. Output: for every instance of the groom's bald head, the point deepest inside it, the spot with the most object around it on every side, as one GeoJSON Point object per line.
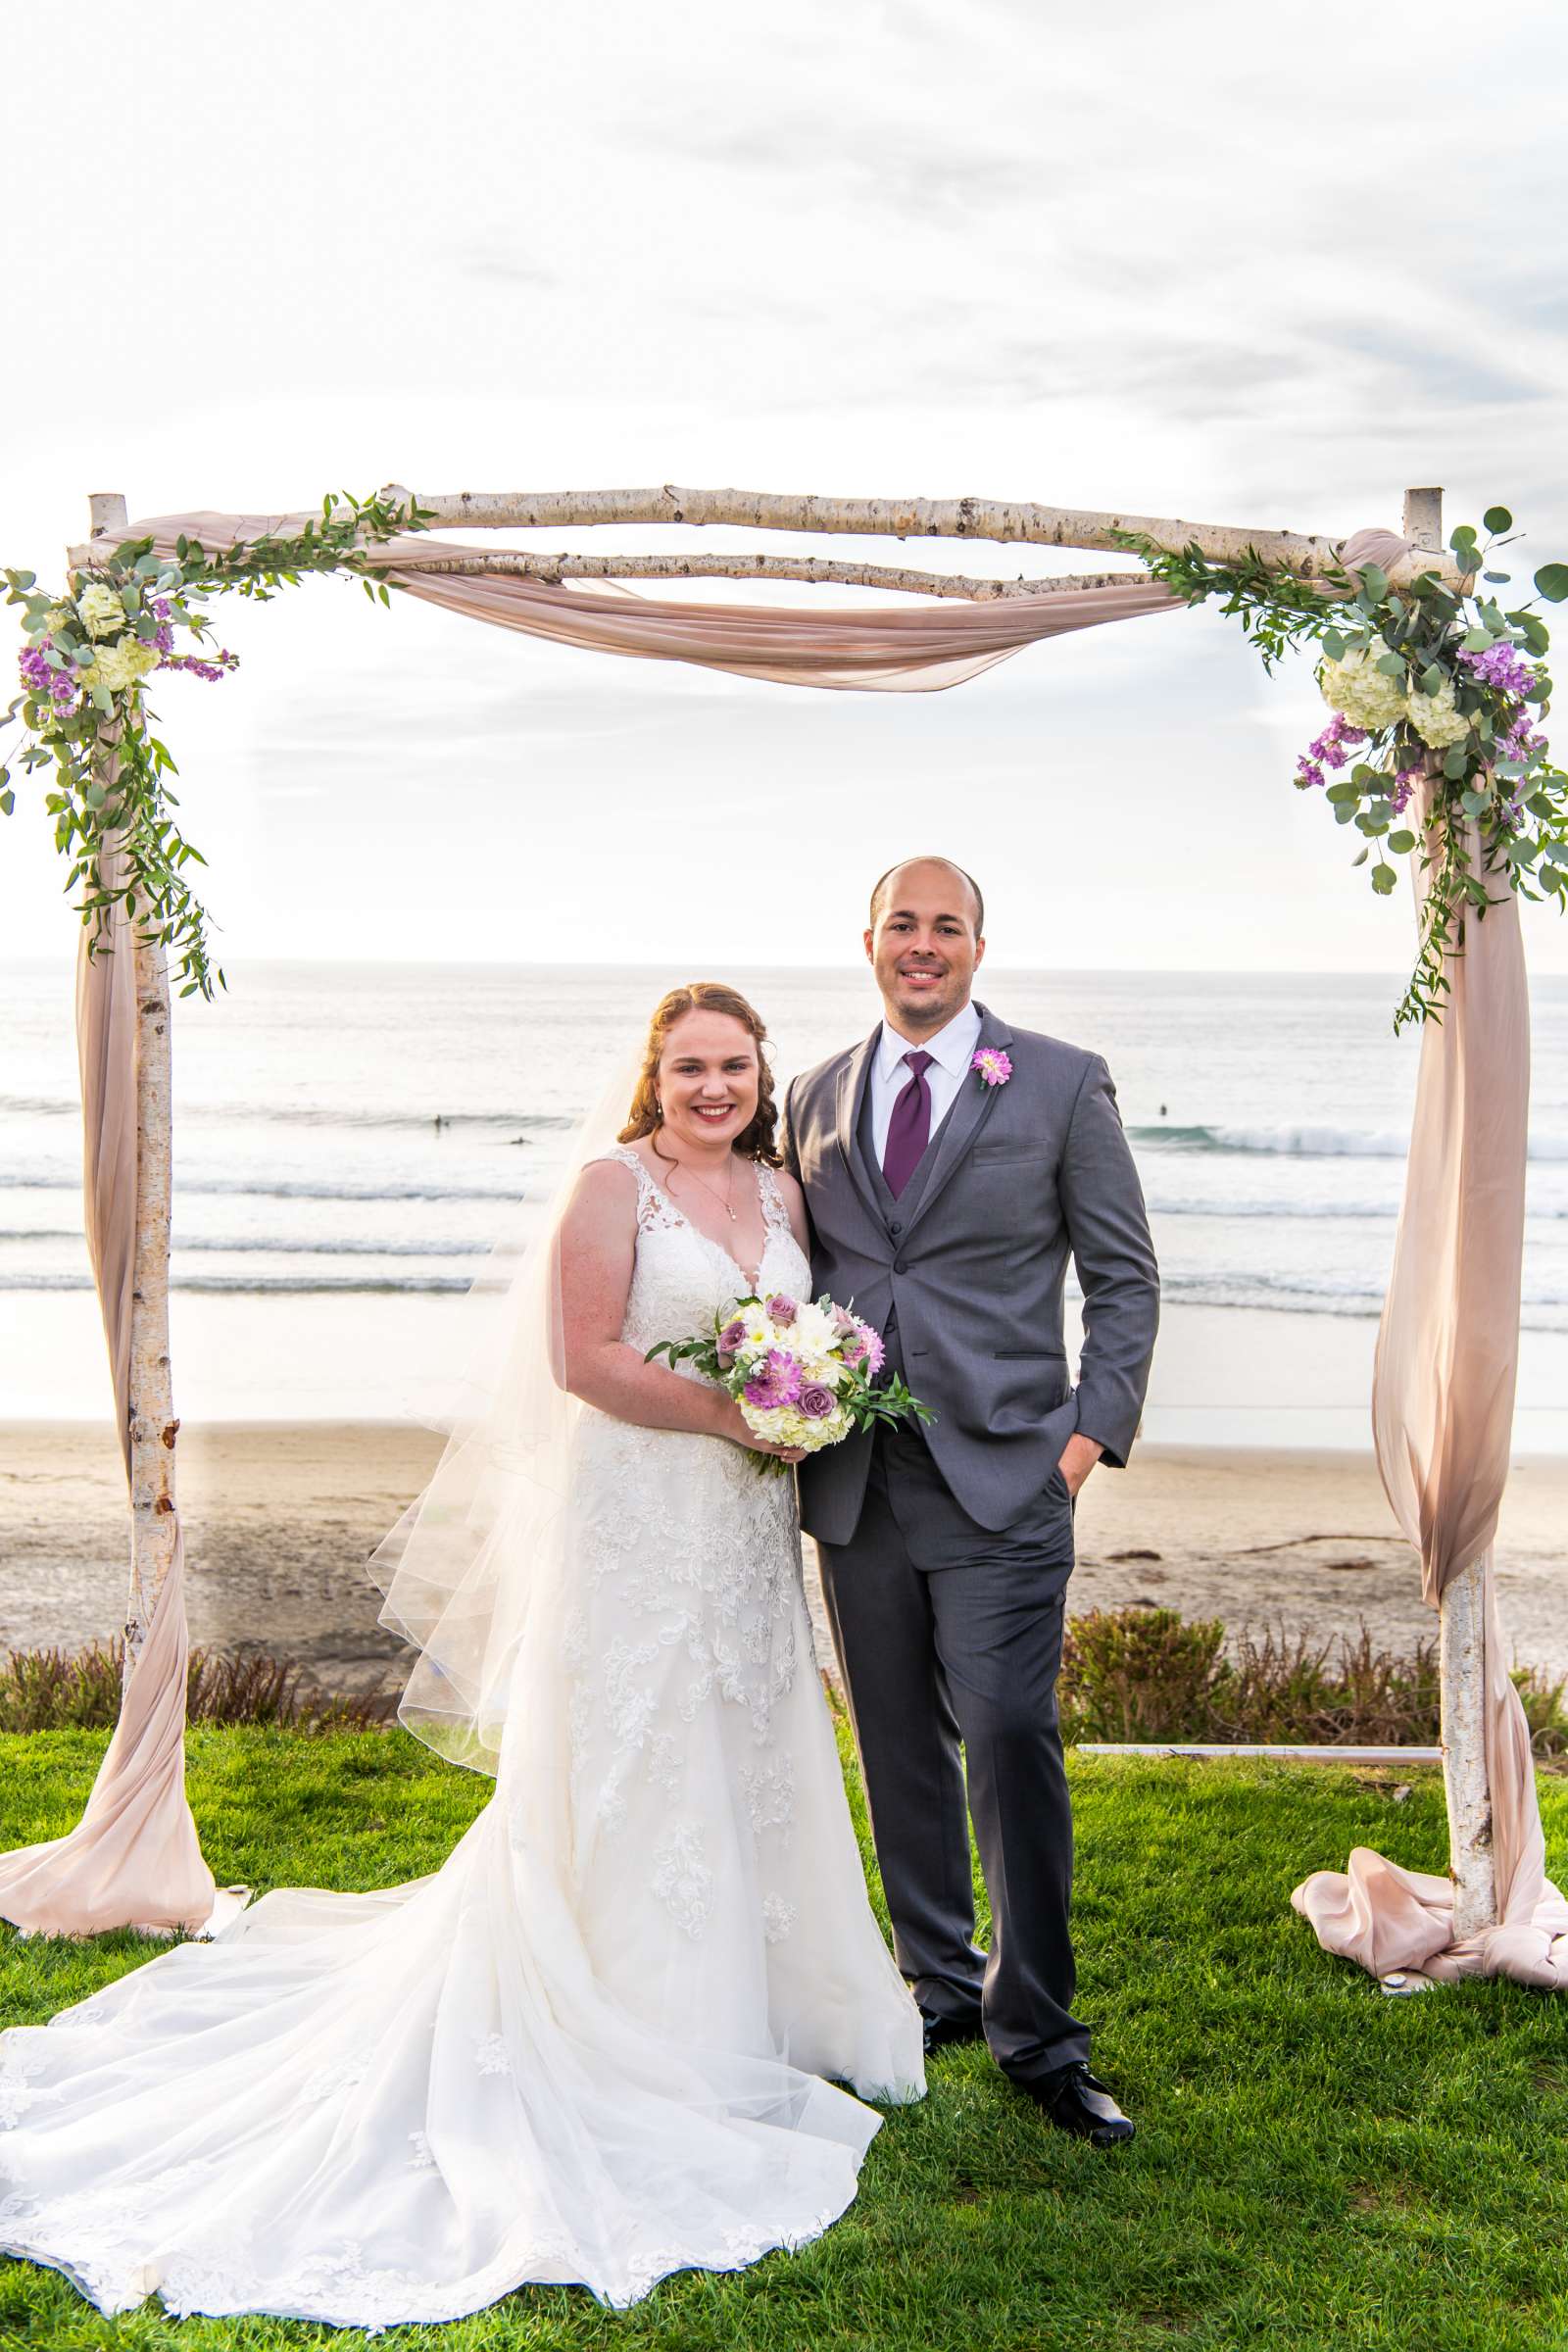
{"type": "Point", "coordinates": [886, 888]}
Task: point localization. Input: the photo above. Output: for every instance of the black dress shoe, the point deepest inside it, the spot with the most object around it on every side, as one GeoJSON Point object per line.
{"type": "Point", "coordinates": [940, 2030]}
{"type": "Point", "coordinates": [1076, 2101]}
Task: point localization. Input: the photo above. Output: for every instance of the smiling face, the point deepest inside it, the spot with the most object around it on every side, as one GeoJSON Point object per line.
{"type": "Point", "coordinates": [923, 945]}
{"type": "Point", "coordinates": [709, 1076]}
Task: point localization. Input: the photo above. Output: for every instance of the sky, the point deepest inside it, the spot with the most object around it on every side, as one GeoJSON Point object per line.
{"type": "Point", "coordinates": [1243, 266]}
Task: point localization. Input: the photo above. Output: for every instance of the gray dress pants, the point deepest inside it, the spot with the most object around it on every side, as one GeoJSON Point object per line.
{"type": "Point", "coordinates": [949, 1639]}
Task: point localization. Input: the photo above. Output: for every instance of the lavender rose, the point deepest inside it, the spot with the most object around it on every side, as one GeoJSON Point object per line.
{"type": "Point", "coordinates": [782, 1310]}
{"type": "Point", "coordinates": [814, 1400]}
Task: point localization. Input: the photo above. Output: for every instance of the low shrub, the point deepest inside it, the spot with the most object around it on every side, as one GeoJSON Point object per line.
{"type": "Point", "coordinates": [1150, 1674]}
{"type": "Point", "coordinates": [55, 1689]}
{"type": "Point", "coordinates": [1126, 1674]}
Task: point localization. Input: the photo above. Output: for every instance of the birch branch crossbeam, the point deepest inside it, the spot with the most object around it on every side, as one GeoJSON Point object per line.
{"type": "Point", "coordinates": [822, 570]}
{"type": "Point", "coordinates": [1004, 521]}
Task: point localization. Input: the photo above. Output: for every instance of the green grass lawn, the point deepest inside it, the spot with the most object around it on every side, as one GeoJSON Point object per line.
{"type": "Point", "coordinates": [1316, 2165]}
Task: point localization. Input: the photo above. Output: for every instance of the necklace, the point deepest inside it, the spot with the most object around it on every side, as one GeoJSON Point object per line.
{"type": "Point", "coordinates": [721, 1198]}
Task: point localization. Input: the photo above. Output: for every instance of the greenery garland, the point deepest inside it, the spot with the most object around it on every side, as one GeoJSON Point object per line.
{"type": "Point", "coordinates": [88, 655]}
{"type": "Point", "coordinates": [1442, 687]}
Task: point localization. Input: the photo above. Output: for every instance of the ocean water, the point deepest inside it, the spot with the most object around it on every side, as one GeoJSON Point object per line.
{"type": "Point", "coordinates": [351, 1140]}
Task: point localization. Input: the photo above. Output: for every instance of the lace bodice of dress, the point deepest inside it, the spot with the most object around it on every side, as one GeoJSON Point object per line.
{"type": "Point", "coordinates": [682, 1278]}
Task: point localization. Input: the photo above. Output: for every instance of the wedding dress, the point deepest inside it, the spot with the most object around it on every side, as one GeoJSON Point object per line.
{"type": "Point", "coordinates": [601, 2043]}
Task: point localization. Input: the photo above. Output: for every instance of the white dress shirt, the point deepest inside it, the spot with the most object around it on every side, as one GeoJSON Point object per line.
{"type": "Point", "coordinates": [953, 1053]}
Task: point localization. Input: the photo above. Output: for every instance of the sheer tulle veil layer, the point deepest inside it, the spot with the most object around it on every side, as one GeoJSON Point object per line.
{"type": "Point", "coordinates": [461, 1570]}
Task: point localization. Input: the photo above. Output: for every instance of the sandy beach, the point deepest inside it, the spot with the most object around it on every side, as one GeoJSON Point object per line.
{"type": "Point", "coordinates": [280, 1517]}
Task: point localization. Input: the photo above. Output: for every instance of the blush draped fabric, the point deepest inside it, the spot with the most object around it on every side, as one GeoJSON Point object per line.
{"type": "Point", "coordinates": [1443, 1414]}
{"type": "Point", "coordinates": [133, 1858]}
{"type": "Point", "coordinates": [913, 649]}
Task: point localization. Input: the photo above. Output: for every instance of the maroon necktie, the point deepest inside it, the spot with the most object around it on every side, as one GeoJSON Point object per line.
{"type": "Point", "coordinates": [909, 1128]}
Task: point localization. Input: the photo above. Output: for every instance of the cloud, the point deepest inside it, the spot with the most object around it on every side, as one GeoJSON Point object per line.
{"type": "Point", "coordinates": [511, 269]}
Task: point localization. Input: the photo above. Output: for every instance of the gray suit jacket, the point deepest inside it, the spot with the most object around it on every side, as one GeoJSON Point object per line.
{"type": "Point", "coordinates": [972, 1260]}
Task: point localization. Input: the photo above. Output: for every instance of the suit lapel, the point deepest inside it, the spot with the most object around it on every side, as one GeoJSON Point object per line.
{"type": "Point", "coordinates": [962, 1123]}
{"type": "Point", "coordinates": [852, 1083]}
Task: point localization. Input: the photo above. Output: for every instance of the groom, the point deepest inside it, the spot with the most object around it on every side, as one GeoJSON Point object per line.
{"type": "Point", "coordinates": [945, 1195]}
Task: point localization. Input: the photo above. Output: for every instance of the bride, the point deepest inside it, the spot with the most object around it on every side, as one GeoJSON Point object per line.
{"type": "Point", "coordinates": [601, 2043]}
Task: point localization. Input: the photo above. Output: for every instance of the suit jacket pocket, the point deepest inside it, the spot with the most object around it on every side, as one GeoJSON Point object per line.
{"type": "Point", "coordinates": [1023, 1150]}
{"type": "Point", "coordinates": [1009, 1355]}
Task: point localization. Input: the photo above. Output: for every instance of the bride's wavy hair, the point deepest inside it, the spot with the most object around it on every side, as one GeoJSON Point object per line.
{"type": "Point", "coordinates": [758, 1139]}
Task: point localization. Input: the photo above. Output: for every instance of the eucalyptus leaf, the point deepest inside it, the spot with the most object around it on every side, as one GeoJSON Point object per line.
{"type": "Point", "coordinates": [1384, 878]}
{"type": "Point", "coordinates": [1390, 664]}
{"type": "Point", "coordinates": [1477, 641]}
{"type": "Point", "coordinates": [1551, 582]}
{"type": "Point", "coordinates": [1472, 803]}
{"type": "Point", "coordinates": [1361, 855]}
{"type": "Point", "coordinates": [1402, 842]}
{"type": "Point", "coordinates": [1334, 645]}
{"type": "Point", "coordinates": [1496, 518]}
{"type": "Point", "coordinates": [1456, 759]}
{"type": "Point", "coordinates": [1432, 677]}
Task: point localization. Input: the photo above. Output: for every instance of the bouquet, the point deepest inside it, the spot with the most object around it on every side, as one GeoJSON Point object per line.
{"type": "Point", "coordinates": [804, 1373]}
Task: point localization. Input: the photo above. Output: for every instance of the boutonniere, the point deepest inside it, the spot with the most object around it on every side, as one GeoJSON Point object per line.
{"type": "Point", "coordinates": [995, 1066]}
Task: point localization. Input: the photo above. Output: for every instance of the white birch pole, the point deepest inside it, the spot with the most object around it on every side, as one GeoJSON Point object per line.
{"type": "Point", "coordinates": [1005, 519]}
{"type": "Point", "coordinates": [512, 563]}
{"type": "Point", "coordinates": [153, 1426]}
{"type": "Point", "coordinates": [1461, 1607]}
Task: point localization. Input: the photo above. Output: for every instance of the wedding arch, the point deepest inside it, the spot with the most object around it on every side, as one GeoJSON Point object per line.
{"type": "Point", "coordinates": [1421, 667]}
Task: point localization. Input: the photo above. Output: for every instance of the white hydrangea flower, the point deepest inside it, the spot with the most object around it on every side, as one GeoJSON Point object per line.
{"type": "Point", "coordinates": [1436, 718]}
{"type": "Point", "coordinates": [1367, 697]}
{"type": "Point", "coordinates": [101, 611]}
{"type": "Point", "coordinates": [123, 666]}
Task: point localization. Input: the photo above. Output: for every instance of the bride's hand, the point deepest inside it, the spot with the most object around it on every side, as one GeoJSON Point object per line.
{"type": "Point", "coordinates": [733, 1424]}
